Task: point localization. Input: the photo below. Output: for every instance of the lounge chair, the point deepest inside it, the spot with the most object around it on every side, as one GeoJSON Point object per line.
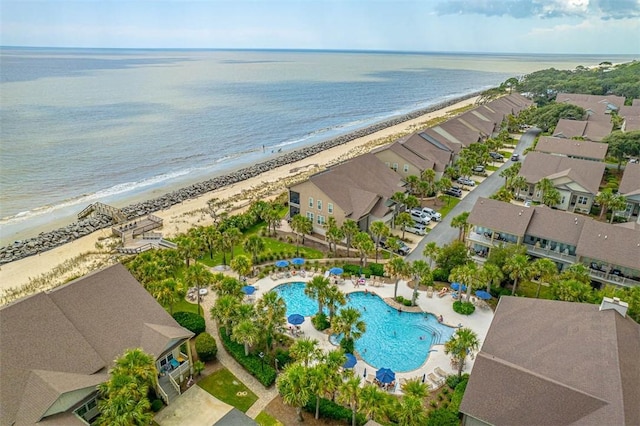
{"type": "Point", "coordinates": [438, 381]}
{"type": "Point", "coordinates": [443, 292]}
{"type": "Point", "coordinates": [440, 372]}
{"type": "Point", "coordinates": [429, 291]}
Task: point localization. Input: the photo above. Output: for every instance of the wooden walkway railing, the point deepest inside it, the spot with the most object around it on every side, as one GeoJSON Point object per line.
{"type": "Point", "coordinates": [114, 213]}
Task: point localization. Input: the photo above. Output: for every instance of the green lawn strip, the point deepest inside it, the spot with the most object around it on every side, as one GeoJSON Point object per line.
{"type": "Point", "coordinates": [448, 206]}
{"type": "Point", "coordinates": [184, 306]}
{"type": "Point", "coordinates": [529, 289]}
{"type": "Point", "coordinates": [229, 389]}
{"type": "Point", "coordinates": [491, 168]}
{"type": "Point", "coordinates": [264, 419]}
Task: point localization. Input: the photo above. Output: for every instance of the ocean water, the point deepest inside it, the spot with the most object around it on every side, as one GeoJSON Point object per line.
{"type": "Point", "coordinates": [116, 125]}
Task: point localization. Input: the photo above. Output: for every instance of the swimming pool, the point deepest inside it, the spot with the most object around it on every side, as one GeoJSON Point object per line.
{"type": "Point", "coordinates": [398, 341]}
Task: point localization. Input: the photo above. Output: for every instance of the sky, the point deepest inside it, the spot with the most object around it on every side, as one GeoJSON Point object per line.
{"type": "Point", "coordinates": [496, 26]}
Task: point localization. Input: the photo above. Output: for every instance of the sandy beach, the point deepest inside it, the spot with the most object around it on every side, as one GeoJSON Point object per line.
{"type": "Point", "coordinates": [75, 259]}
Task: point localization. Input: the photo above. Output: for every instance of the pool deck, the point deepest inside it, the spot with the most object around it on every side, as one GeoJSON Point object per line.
{"type": "Point", "coordinates": [479, 322]}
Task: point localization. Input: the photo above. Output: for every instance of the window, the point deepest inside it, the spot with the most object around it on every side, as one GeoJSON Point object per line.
{"type": "Point", "coordinates": [395, 167]}
{"type": "Point", "coordinates": [406, 168]}
{"type": "Point", "coordinates": [320, 219]}
{"type": "Point", "coordinates": [310, 202]}
{"type": "Point", "coordinates": [386, 163]}
{"type": "Point", "coordinates": [583, 200]}
{"type": "Point", "coordinates": [330, 208]}
{"type": "Point", "coordinates": [310, 216]}
{"type": "Point", "coordinates": [562, 200]}
{"type": "Point", "coordinates": [319, 204]}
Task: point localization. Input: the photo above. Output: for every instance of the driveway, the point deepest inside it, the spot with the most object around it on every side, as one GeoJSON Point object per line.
{"type": "Point", "coordinates": [443, 233]}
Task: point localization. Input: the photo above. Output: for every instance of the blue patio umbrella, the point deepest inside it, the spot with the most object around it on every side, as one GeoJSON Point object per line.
{"type": "Point", "coordinates": [336, 271]}
{"type": "Point", "coordinates": [282, 263]}
{"type": "Point", "coordinates": [295, 319]}
{"type": "Point", "coordinates": [483, 295]}
{"type": "Point", "coordinates": [297, 261]}
{"type": "Point", "coordinates": [458, 286]}
{"type": "Point", "coordinates": [248, 289]}
{"type": "Point", "coordinates": [385, 375]}
{"type": "Point", "coordinates": [351, 361]}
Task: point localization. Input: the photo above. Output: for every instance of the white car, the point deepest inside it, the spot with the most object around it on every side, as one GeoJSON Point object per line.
{"type": "Point", "coordinates": [420, 217]}
{"type": "Point", "coordinates": [418, 229]}
{"type": "Point", "coordinates": [434, 215]}
{"type": "Point", "coordinates": [465, 181]}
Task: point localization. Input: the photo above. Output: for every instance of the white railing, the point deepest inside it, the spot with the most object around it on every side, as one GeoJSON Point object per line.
{"type": "Point", "coordinates": [163, 394]}
{"type": "Point", "coordinates": [175, 385]}
{"type": "Point", "coordinates": [551, 253]}
{"type": "Point", "coordinates": [614, 279]}
{"type": "Point", "coordinates": [179, 372]}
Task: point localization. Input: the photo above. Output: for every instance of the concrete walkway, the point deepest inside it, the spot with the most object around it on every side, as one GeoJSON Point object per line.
{"type": "Point", "coordinates": [265, 396]}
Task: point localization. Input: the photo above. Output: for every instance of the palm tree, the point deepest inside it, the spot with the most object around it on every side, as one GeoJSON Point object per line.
{"type": "Point", "coordinates": [517, 267]}
{"type": "Point", "coordinates": [430, 251]}
{"type": "Point", "coordinates": [334, 297]}
{"type": "Point", "coordinates": [317, 289]}
{"type": "Point", "coordinates": [415, 387]}
{"type": "Point", "coordinates": [334, 235]}
{"type": "Point", "coordinates": [293, 386]}
{"type": "Point", "coordinates": [318, 379]}
{"type": "Point", "coordinates": [466, 274]}
{"type": "Point", "coordinates": [242, 265]}
{"type": "Point", "coordinates": [188, 249]}
{"type": "Point", "coordinates": [348, 323]}
{"type": "Point", "coordinates": [398, 268]}
{"type": "Point", "coordinates": [302, 226]}
{"type": "Point", "coordinates": [551, 197]}
{"type": "Point", "coordinates": [224, 310]}
{"type": "Point", "coordinates": [411, 412]}
{"type": "Point", "coordinates": [518, 184]}
{"type": "Point", "coordinates": [349, 230]}
{"type": "Point", "coordinates": [493, 274]}
{"type": "Point", "coordinates": [254, 245]}
{"type": "Point", "coordinates": [271, 310]}
{"type": "Point", "coordinates": [463, 342]}
{"type": "Point", "coordinates": [232, 236]}
{"type": "Point", "coordinates": [373, 401]}
{"type": "Point", "coordinates": [545, 270]}
{"type": "Point", "coordinates": [363, 243]}
{"type": "Point", "coordinates": [197, 276]}
{"type": "Point", "coordinates": [247, 333]}
{"type": "Point", "coordinates": [412, 183]}
{"type": "Point", "coordinates": [422, 275]}
{"type": "Point", "coordinates": [403, 220]}
{"type": "Point", "coordinates": [618, 203]}
{"type": "Point", "coordinates": [349, 393]}
{"type": "Point", "coordinates": [168, 292]}
{"type": "Point", "coordinates": [305, 350]}
{"type": "Point", "coordinates": [271, 216]}
{"type": "Point", "coordinates": [378, 229]}
{"type": "Point", "coordinates": [461, 222]}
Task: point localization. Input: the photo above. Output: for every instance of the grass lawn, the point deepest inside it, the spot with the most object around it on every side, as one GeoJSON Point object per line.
{"type": "Point", "coordinates": [264, 419]}
{"type": "Point", "coordinates": [227, 388]}
{"type": "Point", "coordinates": [528, 289]}
{"type": "Point", "coordinates": [491, 168]}
{"type": "Point", "coordinates": [183, 306]}
{"type": "Point", "coordinates": [448, 206]}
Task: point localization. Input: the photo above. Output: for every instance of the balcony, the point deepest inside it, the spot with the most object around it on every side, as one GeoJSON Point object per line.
{"type": "Point", "coordinates": [613, 279]}
{"type": "Point", "coordinates": [551, 254]}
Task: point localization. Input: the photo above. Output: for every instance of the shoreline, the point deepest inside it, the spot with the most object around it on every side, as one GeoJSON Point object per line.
{"type": "Point", "coordinates": [184, 208]}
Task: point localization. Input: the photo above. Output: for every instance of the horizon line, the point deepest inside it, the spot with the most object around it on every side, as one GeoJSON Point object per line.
{"type": "Point", "coordinates": [341, 50]}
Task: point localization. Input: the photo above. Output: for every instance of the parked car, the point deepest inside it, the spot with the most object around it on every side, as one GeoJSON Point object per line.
{"type": "Point", "coordinates": [454, 191]}
{"type": "Point", "coordinates": [403, 249]}
{"type": "Point", "coordinates": [465, 181]}
{"type": "Point", "coordinates": [478, 169]}
{"type": "Point", "coordinates": [420, 217]}
{"type": "Point", "coordinates": [496, 156]}
{"type": "Point", "coordinates": [434, 215]}
{"type": "Point", "coordinates": [515, 157]}
{"type": "Point", "coordinates": [417, 228]}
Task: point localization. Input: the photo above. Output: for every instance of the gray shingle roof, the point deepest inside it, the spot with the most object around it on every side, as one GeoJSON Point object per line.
{"type": "Point", "coordinates": [572, 148]}
{"type": "Point", "coordinates": [547, 362]}
{"type": "Point", "coordinates": [53, 342]}
{"type": "Point", "coordinates": [556, 225]}
{"type": "Point", "coordinates": [587, 173]}
{"type": "Point", "coordinates": [615, 244]}
{"type": "Point", "coordinates": [500, 216]}
{"type": "Point", "coordinates": [594, 130]}
{"type": "Point", "coordinates": [630, 183]}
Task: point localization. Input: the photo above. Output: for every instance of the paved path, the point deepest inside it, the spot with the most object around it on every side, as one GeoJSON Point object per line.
{"type": "Point", "coordinates": [265, 396]}
{"type": "Point", "coordinates": [443, 233]}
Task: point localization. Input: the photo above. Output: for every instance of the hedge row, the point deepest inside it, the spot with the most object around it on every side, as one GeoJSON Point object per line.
{"type": "Point", "coordinates": [265, 373]}
{"type": "Point", "coordinates": [333, 411]}
{"type": "Point", "coordinates": [458, 393]}
{"type": "Point", "coordinates": [191, 321]}
{"type": "Point", "coordinates": [375, 269]}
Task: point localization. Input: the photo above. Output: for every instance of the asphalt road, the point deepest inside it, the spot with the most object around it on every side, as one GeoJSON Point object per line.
{"type": "Point", "coordinates": [443, 233]}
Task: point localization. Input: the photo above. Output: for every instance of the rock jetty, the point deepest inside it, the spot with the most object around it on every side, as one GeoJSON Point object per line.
{"type": "Point", "coordinates": [48, 240]}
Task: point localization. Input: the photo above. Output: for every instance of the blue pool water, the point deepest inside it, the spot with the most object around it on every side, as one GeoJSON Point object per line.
{"type": "Point", "coordinates": [398, 341]}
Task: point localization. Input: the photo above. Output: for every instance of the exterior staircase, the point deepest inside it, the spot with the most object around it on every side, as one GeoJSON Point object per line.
{"type": "Point", "coordinates": [114, 213]}
{"type": "Point", "coordinates": [168, 388]}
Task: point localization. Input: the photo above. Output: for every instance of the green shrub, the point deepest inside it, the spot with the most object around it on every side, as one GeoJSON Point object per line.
{"type": "Point", "coordinates": [407, 302]}
{"type": "Point", "coordinates": [453, 380]}
{"type": "Point", "coordinates": [440, 274]}
{"type": "Point", "coordinates": [261, 370]}
{"type": "Point", "coordinates": [206, 347]}
{"type": "Point", "coordinates": [191, 321]}
{"type": "Point", "coordinates": [442, 417]}
{"type": "Point", "coordinates": [320, 321]}
{"type": "Point", "coordinates": [331, 410]}
{"type": "Point", "coordinates": [356, 270]}
{"type": "Point", "coordinates": [463, 308]}
{"type": "Point", "coordinates": [283, 357]}
{"type": "Point", "coordinates": [433, 403]}
{"type": "Point", "coordinates": [156, 405]}
{"type": "Point", "coordinates": [377, 269]}
{"type": "Point", "coordinates": [458, 393]}
{"type": "Point", "coordinates": [347, 345]}
{"type": "Point", "coordinates": [400, 299]}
